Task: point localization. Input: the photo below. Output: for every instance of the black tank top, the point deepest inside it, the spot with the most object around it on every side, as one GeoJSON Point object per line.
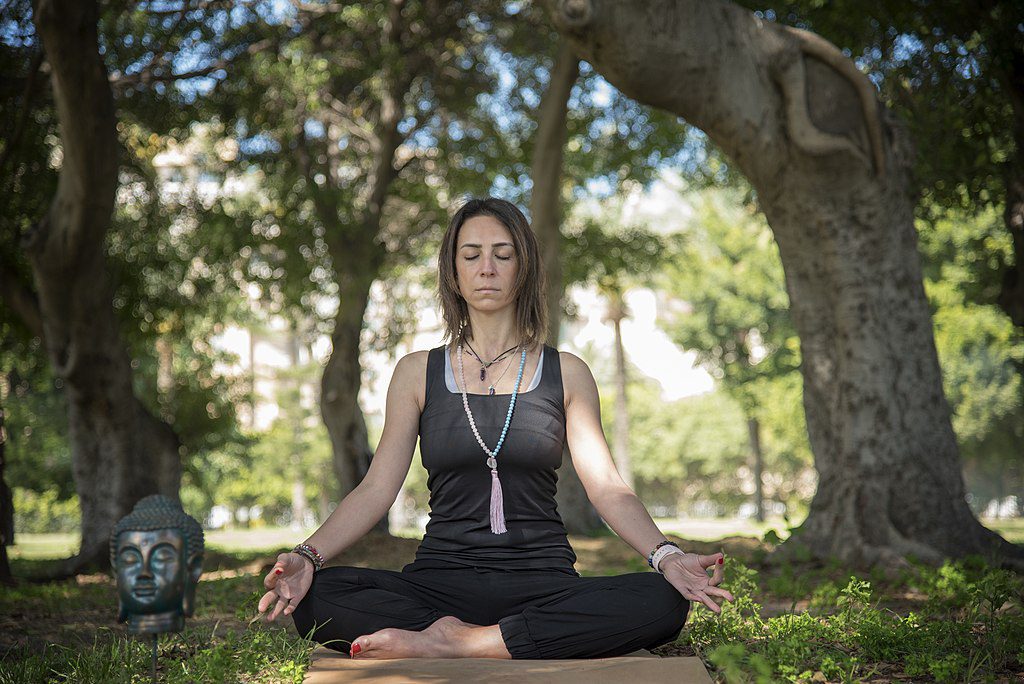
{"type": "Point", "coordinates": [458, 533]}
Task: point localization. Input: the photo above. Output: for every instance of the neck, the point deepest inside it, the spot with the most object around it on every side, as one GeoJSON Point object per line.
{"type": "Point", "coordinates": [491, 336]}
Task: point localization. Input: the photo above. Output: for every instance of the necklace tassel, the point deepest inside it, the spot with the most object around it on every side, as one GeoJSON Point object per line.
{"type": "Point", "coordinates": [497, 505]}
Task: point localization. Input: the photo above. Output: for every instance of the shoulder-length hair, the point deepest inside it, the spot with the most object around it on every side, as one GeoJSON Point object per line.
{"type": "Point", "coordinates": [531, 316]}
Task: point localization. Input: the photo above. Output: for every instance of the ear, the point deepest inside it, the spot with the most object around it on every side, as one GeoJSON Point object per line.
{"type": "Point", "coordinates": [195, 566]}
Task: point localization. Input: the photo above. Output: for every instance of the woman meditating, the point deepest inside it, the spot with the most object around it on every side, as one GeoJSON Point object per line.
{"type": "Point", "coordinates": [494, 576]}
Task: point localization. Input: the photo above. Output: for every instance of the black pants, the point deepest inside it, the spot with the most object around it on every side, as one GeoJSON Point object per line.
{"type": "Point", "coordinates": [541, 614]}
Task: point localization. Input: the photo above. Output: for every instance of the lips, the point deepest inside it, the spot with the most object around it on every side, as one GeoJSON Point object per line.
{"type": "Point", "coordinates": [144, 589]}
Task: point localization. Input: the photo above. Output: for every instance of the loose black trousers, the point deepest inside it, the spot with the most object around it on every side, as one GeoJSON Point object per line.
{"type": "Point", "coordinates": [541, 614]}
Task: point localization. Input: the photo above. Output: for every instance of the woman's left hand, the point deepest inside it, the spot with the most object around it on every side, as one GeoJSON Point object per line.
{"type": "Point", "coordinates": [687, 572]}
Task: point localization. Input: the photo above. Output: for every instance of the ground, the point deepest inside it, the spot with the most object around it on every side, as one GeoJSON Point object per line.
{"type": "Point", "coordinates": [963, 622]}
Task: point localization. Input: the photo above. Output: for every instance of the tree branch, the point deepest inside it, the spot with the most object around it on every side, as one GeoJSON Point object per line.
{"type": "Point", "coordinates": [146, 77]}
{"type": "Point", "coordinates": [20, 299]}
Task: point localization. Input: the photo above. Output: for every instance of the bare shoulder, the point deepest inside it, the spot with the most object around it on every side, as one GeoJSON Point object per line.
{"type": "Point", "coordinates": [410, 377]}
{"type": "Point", "coordinates": [577, 380]}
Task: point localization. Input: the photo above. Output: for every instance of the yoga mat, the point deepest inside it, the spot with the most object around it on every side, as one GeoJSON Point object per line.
{"type": "Point", "coordinates": [331, 667]}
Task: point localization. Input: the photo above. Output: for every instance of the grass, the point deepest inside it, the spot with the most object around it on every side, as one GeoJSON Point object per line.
{"type": "Point", "coordinates": [961, 622]}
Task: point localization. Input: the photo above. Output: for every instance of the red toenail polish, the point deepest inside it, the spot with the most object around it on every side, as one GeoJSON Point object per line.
{"type": "Point", "coordinates": [278, 571]}
{"type": "Point", "coordinates": [721, 560]}
{"type": "Point", "coordinates": [356, 648]}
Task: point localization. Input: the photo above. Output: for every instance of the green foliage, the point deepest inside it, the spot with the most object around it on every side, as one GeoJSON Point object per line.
{"type": "Point", "coordinates": [978, 635]}
{"type": "Point", "coordinates": [37, 512]}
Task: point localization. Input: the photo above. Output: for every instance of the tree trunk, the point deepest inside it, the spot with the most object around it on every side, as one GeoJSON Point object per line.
{"type": "Point", "coordinates": [546, 175]}
{"type": "Point", "coordinates": [6, 508]}
{"type": "Point", "coordinates": [300, 504]}
{"type": "Point", "coordinates": [340, 383]}
{"type": "Point", "coordinates": [578, 514]}
{"type": "Point", "coordinates": [831, 170]}
{"type": "Point", "coordinates": [617, 311]}
{"type": "Point", "coordinates": [120, 452]}
{"type": "Point", "coordinates": [757, 465]}
{"type": "Point", "coordinates": [1011, 298]}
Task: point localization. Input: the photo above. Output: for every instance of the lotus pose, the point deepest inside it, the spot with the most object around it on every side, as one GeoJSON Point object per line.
{"type": "Point", "coordinates": [494, 576]}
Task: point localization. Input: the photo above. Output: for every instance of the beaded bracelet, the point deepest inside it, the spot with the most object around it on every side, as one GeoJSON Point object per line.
{"type": "Point", "coordinates": [663, 553]}
{"type": "Point", "coordinates": [311, 554]}
{"type": "Point", "coordinates": [650, 556]}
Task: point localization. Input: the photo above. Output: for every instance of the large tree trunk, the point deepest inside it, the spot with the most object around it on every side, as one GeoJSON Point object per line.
{"type": "Point", "coordinates": [120, 452]}
{"type": "Point", "coordinates": [830, 169]}
{"type": "Point", "coordinates": [578, 514]}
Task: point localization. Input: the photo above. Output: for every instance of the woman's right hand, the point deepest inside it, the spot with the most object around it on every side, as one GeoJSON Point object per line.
{"type": "Point", "coordinates": [287, 582]}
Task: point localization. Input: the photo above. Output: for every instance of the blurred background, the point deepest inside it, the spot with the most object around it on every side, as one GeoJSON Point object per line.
{"type": "Point", "coordinates": [285, 170]}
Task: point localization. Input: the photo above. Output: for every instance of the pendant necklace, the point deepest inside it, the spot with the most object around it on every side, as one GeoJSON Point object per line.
{"type": "Point", "coordinates": [484, 365]}
{"type": "Point", "coordinates": [497, 511]}
{"type": "Point", "coordinates": [490, 387]}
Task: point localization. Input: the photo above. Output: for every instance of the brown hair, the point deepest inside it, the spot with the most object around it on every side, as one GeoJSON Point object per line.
{"type": "Point", "coordinates": [527, 292]}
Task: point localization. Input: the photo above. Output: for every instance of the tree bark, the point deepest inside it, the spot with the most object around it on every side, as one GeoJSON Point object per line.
{"type": "Point", "coordinates": [340, 383]}
{"type": "Point", "coordinates": [831, 169]}
{"type": "Point", "coordinates": [578, 514]}
{"type": "Point", "coordinates": [120, 451]}
{"type": "Point", "coordinates": [546, 176]}
{"type": "Point", "coordinates": [1011, 296]}
{"type": "Point", "coordinates": [6, 508]}
{"type": "Point", "coordinates": [617, 311]}
{"type": "Point", "coordinates": [300, 504]}
{"type": "Point", "coordinates": [757, 465]}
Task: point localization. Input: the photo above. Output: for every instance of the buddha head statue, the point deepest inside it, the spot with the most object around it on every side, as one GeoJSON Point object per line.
{"type": "Point", "coordinates": [156, 552]}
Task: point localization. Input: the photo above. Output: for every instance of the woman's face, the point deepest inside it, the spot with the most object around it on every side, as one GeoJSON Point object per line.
{"type": "Point", "coordinates": [485, 263]}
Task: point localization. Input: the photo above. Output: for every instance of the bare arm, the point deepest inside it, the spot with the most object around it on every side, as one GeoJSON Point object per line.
{"type": "Point", "coordinates": [612, 497]}
{"type": "Point", "coordinates": [370, 500]}
{"type": "Point", "coordinates": [290, 578]}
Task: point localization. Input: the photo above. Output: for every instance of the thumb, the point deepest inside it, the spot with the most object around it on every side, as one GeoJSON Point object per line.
{"type": "Point", "coordinates": [712, 561]}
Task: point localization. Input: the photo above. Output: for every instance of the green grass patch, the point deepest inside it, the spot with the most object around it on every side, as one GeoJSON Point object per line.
{"type": "Point", "coordinates": [961, 622]}
{"type": "Point", "coordinates": [968, 627]}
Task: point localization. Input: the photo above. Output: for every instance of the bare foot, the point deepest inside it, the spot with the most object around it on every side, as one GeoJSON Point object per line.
{"type": "Point", "coordinates": [448, 637]}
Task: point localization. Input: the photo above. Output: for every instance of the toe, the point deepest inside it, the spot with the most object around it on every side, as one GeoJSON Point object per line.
{"type": "Point", "coordinates": [359, 646]}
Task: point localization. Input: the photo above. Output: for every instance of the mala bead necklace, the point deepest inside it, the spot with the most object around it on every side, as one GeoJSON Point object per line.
{"type": "Point", "coordinates": [484, 365]}
{"type": "Point", "coordinates": [497, 502]}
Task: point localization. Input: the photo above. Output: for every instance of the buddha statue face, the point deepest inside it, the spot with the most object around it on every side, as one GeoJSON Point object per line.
{"type": "Point", "coordinates": [157, 573]}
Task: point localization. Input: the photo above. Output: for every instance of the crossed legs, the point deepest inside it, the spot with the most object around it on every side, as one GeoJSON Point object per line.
{"type": "Point", "coordinates": [464, 613]}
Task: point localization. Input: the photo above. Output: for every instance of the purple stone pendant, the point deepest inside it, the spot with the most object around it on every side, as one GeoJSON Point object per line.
{"type": "Point", "coordinates": [483, 373]}
{"type": "Point", "coordinates": [490, 391]}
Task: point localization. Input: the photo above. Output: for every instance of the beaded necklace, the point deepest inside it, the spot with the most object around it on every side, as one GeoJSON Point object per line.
{"type": "Point", "coordinates": [497, 501]}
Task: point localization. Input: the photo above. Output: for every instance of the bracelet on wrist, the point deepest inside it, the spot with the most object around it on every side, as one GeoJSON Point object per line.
{"type": "Point", "coordinates": [311, 554]}
{"type": "Point", "coordinates": [668, 551]}
{"type": "Point", "coordinates": [650, 556]}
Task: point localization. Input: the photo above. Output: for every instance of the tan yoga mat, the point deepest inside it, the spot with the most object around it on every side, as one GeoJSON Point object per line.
{"type": "Point", "coordinates": [331, 667]}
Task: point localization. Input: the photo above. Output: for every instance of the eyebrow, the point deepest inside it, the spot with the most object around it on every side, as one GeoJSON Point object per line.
{"type": "Point", "coordinates": [496, 244]}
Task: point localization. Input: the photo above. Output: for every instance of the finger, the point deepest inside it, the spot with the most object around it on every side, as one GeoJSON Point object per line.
{"type": "Point", "coordinates": [719, 574]}
{"type": "Point", "coordinates": [292, 604]}
{"type": "Point", "coordinates": [710, 561]}
{"type": "Point", "coordinates": [267, 600]}
{"type": "Point", "coordinates": [278, 609]}
{"type": "Point", "coordinates": [716, 591]}
{"type": "Point", "coordinates": [706, 600]}
{"type": "Point", "coordinates": [270, 581]}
